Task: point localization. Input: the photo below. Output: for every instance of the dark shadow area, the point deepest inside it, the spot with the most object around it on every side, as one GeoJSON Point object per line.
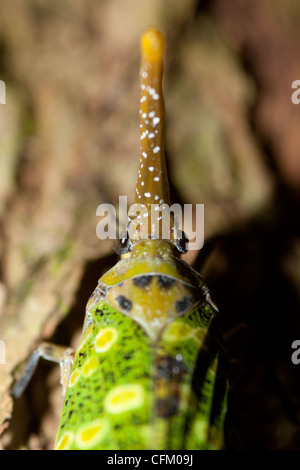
{"type": "Point", "coordinates": [252, 289]}
{"type": "Point", "coordinates": [258, 299]}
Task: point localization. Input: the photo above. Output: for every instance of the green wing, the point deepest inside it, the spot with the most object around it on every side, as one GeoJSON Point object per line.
{"type": "Point", "coordinates": [108, 401]}
{"type": "Point", "coordinates": [194, 388]}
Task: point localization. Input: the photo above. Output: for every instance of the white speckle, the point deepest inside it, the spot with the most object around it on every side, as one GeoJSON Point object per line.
{"type": "Point", "coordinates": [144, 115]}
{"type": "Point", "coordinates": [156, 197]}
{"type": "Point", "coordinates": [143, 98]}
{"type": "Point", "coordinates": [144, 74]}
{"type": "Point", "coordinates": [151, 91]}
{"type": "Point", "coordinates": [152, 114]}
{"type": "Point", "coordinates": [155, 96]}
{"type": "Point", "coordinates": [156, 178]}
{"type": "Point", "coordinates": [151, 168]}
{"type": "Point", "coordinates": [144, 154]}
{"type": "Point", "coordinates": [144, 134]}
{"type": "Point", "coordinates": [143, 86]}
{"type": "Point", "coordinates": [156, 149]}
{"type": "Point", "coordinates": [142, 165]}
{"type": "Point", "coordinates": [151, 135]}
{"type": "Point", "coordinates": [142, 183]}
{"type": "Point", "coordinates": [155, 121]}
{"type": "Point", "coordinates": [147, 194]}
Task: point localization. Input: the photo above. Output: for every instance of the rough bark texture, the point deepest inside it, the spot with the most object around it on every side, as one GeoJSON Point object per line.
{"type": "Point", "coordinates": [69, 142]}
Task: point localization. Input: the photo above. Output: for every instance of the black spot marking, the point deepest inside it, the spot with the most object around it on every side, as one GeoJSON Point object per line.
{"type": "Point", "coordinates": [182, 304]}
{"type": "Point", "coordinates": [142, 281]}
{"type": "Point", "coordinates": [99, 312]}
{"type": "Point", "coordinates": [167, 407]}
{"type": "Point", "coordinates": [165, 282]}
{"type": "Point", "coordinates": [182, 242]}
{"type": "Point", "coordinates": [123, 243]}
{"type": "Point", "coordinates": [124, 303]}
{"type": "Point", "coordinates": [102, 290]}
{"type": "Point", "coordinates": [169, 374]}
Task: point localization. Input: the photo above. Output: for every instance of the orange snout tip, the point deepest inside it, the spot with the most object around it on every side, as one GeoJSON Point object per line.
{"type": "Point", "coordinates": [152, 45]}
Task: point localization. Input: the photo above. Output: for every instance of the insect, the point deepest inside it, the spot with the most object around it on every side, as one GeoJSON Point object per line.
{"type": "Point", "coordinates": [147, 373]}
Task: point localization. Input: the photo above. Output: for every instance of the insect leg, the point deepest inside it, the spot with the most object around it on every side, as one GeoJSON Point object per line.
{"type": "Point", "coordinates": [51, 352]}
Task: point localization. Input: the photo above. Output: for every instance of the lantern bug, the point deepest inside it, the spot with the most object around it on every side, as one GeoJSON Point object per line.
{"type": "Point", "coordinates": [148, 373]}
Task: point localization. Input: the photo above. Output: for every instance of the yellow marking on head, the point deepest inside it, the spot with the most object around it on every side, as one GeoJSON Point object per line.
{"type": "Point", "coordinates": [74, 377]}
{"type": "Point", "coordinates": [178, 331]}
{"type": "Point", "coordinates": [90, 366]}
{"type": "Point", "coordinates": [124, 398]}
{"type": "Point", "coordinates": [105, 339]}
{"type": "Point", "coordinates": [152, 45]}
{"type": "Point", "coordinates": [152, 305]}
{"type": "Point", "coordinates": [92, 433]}
{"type": "Point", "coordinates": [65, 441]}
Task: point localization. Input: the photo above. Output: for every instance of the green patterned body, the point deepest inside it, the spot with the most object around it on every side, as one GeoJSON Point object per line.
{"type": "Point", "coordinates": [139, 383]}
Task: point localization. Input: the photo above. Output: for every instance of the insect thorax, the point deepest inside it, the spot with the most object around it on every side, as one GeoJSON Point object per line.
{"type": "Point", "coordinates": [152, 290]}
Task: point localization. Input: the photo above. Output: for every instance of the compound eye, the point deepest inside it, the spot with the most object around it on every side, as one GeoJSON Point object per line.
{"type": "Point", "coordinates": [122, 244]}
{"type": "Point", "coordinates": [182, 242]}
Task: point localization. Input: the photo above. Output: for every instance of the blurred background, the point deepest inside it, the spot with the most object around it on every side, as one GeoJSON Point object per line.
{"type": "Point", "coordinates": [69, 141]}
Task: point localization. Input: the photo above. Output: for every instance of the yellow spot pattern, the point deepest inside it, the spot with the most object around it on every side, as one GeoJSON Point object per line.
{"type": "Point", "coordinates": [65, 441]}
{"type": "Point", "coordinates": [178, 332]}
{"type": "Point", "coordinates": [124, 398]}
{"type": "Point", "coordinates": [105, 339]}
{"type": "Point", "coordinates": [90, 366]}
{"type": "Point", "coordinates": [74, 377]}
{"type": "Point", "coordinates": [90, 434]}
